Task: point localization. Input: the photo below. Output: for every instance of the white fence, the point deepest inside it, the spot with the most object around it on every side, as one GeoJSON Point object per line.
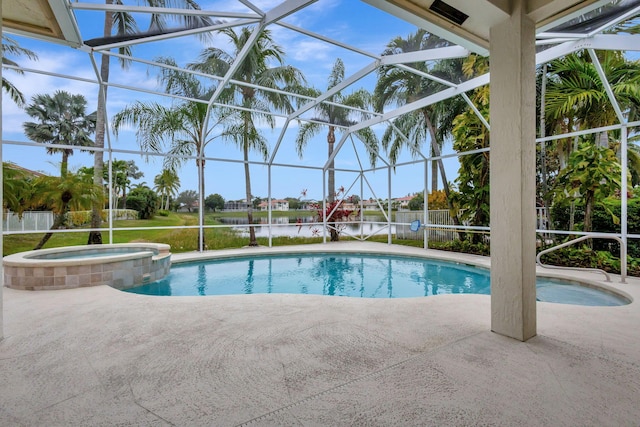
{"type": "Point", "coordinates": [442, 217]}
{"type": "Point", "coordinates": [31, 221]}
{"type": "Point", "coordinates": [43, 220]}
{"type": "Point", "coordinates": [439, 217]}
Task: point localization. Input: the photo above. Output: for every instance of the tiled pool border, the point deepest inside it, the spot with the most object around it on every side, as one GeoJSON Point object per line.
{"type": "Point", "coordinates": [146, 263]}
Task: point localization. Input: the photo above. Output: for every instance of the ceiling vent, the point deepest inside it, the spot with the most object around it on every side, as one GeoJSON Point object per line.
{"type": "Point", "coordinates": [448, 12]}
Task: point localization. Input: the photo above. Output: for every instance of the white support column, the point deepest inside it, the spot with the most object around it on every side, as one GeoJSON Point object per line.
{"type": "Point", "coordinates": [513, 96]}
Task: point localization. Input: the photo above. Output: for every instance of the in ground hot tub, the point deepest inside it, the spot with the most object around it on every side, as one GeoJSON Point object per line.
{"type": "Point", "coordinates": [122, 266]}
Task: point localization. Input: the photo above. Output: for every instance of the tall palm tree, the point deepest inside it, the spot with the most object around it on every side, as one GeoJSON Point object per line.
{"type": "Point", "coordinates": [255, 69]}
{"type": "Point", "coordinates": [400, 86]}
{"type": "Point", "coordinates": [61, 120]}
{"type": "Point", "coordinates": [118, 24]}
{"type": "Point", "coordinates": [333, 116]}
{"type": "Point", "coordinates": [167, 184]}
{"type": "Point", "coordinates": [11, 47]}
{"type": "Point", "coordinates": [183, 126]}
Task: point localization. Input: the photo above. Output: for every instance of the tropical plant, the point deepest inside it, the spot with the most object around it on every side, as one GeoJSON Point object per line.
{"type": "Point", "coordinates": [184, 125]}
{"type": "Point", "coordinates": [70, 191]}
{"type": "Point", "coordinates": [334, 118]}
{"type": "Point", "coordinates": [11, 47]}
{"type": "Point", "coordinates": [17, 188]}
{"type": "Point", "coordinates": [167, 184]}
{"type": "Point", "coordinates": [121, 23]}
{"type": "Point", "coordinates": [122, 172]}
{"type": "Point", "coordinates": [592, 174]}
{"type": "Point", "coordinates": [470, 133]}
{"type": "Point", "coordinates": [255, 70]}
{"type": "Point", "coordinates": [576, 94]}
{"type": "Point", "coordinates": [405, 85]}
{"type": "Point", "coordinates": [61, 120]}
{"type": "Point", "coordinates": [144, 200]}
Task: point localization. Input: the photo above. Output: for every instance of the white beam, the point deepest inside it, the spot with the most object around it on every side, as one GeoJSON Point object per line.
{"type": "Point", "coordinates": [161, 10]}
{"type": "Point", "coordinates": [606, 85]}
{"type": "Point", "coordinates": [425, 55]}
{"type": "Point", "coordinates": [285, 9]}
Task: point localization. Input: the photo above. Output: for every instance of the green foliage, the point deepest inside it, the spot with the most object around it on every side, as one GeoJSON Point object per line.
{"type": "Point", "coordinates": [417, 203]}
{"type": "Point", "coordinates": [472, 197]}
{"type": "Point", "coordinates": [188, 199]}
{"type": "Point", "coordinates": [438, 200]}
{"type": "Point", "coordinates": [144, 200]}
{"type": "Point", "coordinates": [602, 222]}
{"type": "Point", "coordinates": [17, 188]}
{"type": "Point", "coordinates": [214, 201]}
{"type": "Point", "coordinates": [11, 47]}
{"type": "Point", "coordinates": [294, 204]}
{"type": "Point", "coordinates": [162, 212]}
{"type": "Point", "coordinates": [466, 246]}
{"type": "Point", "coordinates": [61, 119]}
{"type": "Point", "coordinates": [585, 257]}
{"type": "Point", "coordinates": [592, 174]}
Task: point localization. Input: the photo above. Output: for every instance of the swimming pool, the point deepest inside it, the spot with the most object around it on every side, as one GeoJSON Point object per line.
{"type": "Point", "coordinates": [351, 275]}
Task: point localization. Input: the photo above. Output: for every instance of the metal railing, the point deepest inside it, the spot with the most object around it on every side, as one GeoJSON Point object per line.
{"type": "Point", "coordinates": [623, 256]}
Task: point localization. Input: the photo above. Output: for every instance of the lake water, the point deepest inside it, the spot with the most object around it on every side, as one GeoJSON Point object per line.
{"type": "Point", "coordinates": [304, 226]}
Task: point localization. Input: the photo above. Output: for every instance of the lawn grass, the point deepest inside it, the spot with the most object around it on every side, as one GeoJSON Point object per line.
{"type": "Point", "coordinates": [180, 239]}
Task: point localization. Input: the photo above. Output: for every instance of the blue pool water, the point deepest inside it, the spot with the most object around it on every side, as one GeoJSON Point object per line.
{"type": "Point", "coordinates": [352, 275]}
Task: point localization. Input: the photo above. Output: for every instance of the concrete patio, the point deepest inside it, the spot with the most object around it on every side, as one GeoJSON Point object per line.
{"type": "Point", "coordinates": [100, 357]}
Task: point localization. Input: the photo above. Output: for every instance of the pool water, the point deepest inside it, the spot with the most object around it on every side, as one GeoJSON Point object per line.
{"type": "Point", "coordinates": [351, 275]}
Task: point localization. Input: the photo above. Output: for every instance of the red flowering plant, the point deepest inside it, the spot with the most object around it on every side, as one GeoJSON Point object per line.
{"type": "Point", "coordinates": [335, 212]}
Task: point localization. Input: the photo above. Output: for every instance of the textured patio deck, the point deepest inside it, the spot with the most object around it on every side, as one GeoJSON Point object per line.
{"type": "Point", "coordinates": [98, 356]}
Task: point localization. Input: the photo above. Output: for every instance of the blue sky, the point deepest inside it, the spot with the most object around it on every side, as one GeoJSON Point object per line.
{"type": "Point", "coordinates": [351, 22]}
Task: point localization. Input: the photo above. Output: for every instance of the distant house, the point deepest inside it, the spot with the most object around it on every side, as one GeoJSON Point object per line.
{"type": "Point", "coordinates": [370, 205]}
{"type": "Point", "coordinates": [236, 206]}
{"type": "Point", "coordinates": [403, 202]}
{"type": "Point", "coordinates": [27, 172]}
{"type": "Point", "coordinates": [308, 205]}
{"type": "Point", "coordinates": [276, 205]}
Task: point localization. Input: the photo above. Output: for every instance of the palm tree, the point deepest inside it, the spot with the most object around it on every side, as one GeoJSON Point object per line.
{"type": "Point", "coordinates": [11, 47]}
{"type": "Point", "coordinates": [470, 133]}
{"type": "Point", "coordinates": [17, 188]}
{"type": "Point", "coordinates": [61, 194]}
{"type": "Point", "coordinates": [333, 116]}
{"type": "Point", "coordinates": [167, 184]}
{"type": "Point", "coordinates": [183, 125]}
{"type": "Point", "coordinates": [576, 94]}
{"type": "Point", "coordinates": [62, 120]}
{"type": "Point", "coordinates": [576, 99]}
{"type": "Point", "coordinates": [255, 69]}
{"type": "Point", "coordinates": [124, 23]}
{"type": "Point", "coordinates": [400, 86]}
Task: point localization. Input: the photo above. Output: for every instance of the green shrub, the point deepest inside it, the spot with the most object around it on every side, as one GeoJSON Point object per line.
{"type": "Point", "coordinates": [163, 212]}
{"type": "Point", "coordinates": [466, 246]}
